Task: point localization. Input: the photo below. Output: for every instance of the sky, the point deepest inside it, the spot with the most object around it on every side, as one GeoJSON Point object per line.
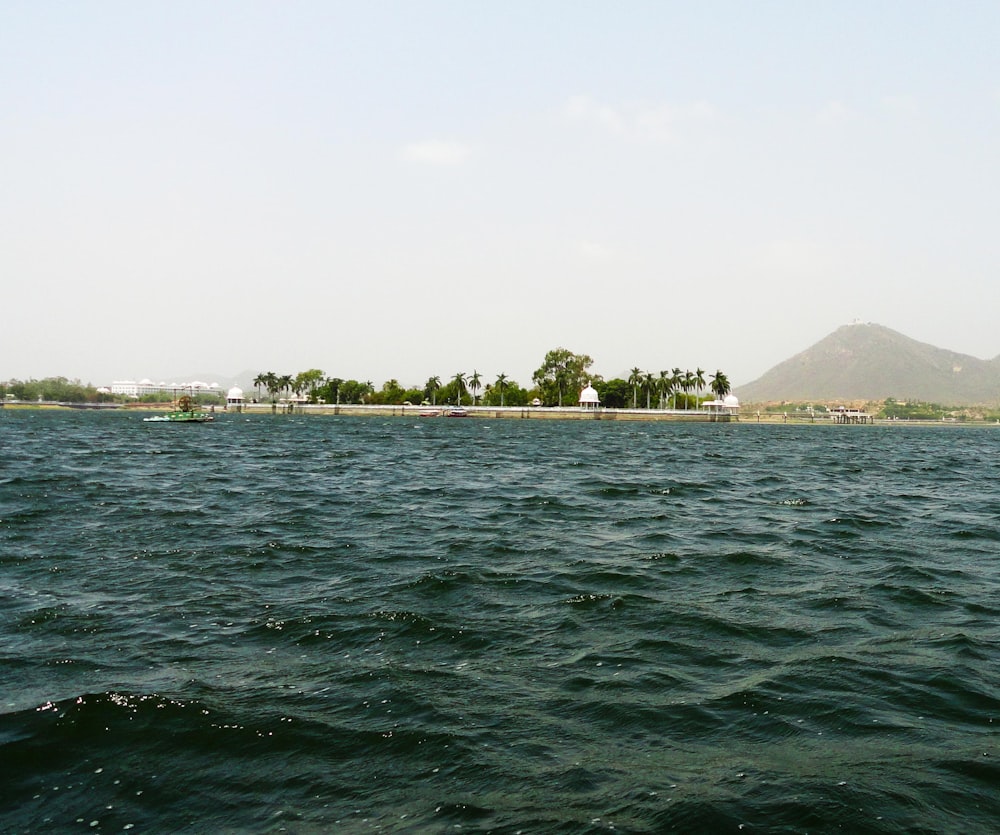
{"type": "Point", "coordinates": [402, 190]}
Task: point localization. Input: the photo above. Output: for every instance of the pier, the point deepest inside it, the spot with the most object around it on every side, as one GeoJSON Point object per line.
{"type": "Point", "coordinates": [844, 415]}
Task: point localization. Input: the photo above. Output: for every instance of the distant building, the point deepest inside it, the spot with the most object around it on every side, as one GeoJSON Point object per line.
{"type": "Point", "coordinates": [130, 388]}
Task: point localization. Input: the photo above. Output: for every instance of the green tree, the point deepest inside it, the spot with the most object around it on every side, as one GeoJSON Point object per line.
{"type": "Point", "coordinates": [688, 384]}
{"type": "Point", "coordinates": [431, 388]}
{"type": "Point", "coordinates": [635, 380]}
{"type": "Point", "coordinates": [676, 380]}
{"type": "Point", "coordinates": [351, 391]}
{"type": "Point", "coordinates": [272, 382]}
{"type": "Point", "coordinates": [475, 384]}
{"type": "Point", "coordinates": [614, 393]}
{"type": "Point", "coordinates": [561, 371]}
{"type": "Point", "coordinates": [458, 381]}
{"type": "Point", "coordinates": [307, 381]}
{"type": "Point", "coordinates": [392, 394]}
{"type": "Point", "coordinates": [507, 394]}
{"type": "Point", "coordinates": [649, 386]}
{"type": "Point", "coordinates": [330, 390]}
{"type": "Point", "coordinates": [720, 385]}
{"type": "Point", "coordinates": [663, 388]}
{"type": "Point", "coordinates": [501, 383]}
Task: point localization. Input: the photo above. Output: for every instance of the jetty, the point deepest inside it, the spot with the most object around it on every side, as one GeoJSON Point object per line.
{"type": "Point", "coordinates": [844, 415]}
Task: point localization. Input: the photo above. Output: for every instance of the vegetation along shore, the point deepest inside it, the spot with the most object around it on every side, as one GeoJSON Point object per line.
{"type": "Point", "coordinates": [555, 386]}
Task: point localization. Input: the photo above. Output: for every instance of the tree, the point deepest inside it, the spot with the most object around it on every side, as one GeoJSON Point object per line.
{"type": "Point", "coordinates": [392, 393]}
{"type": "Point", "coordinates": [663, 386]}
{"type": "Point", "coordinates": [330, 391]}
{"type": "Point", "coordinates": [459, 382]}
{"type": "Point", "coordinates": [688, 384]}
{"type": "Point", "coordinates": [475, 385]}
{"type": "Point", "coordinates": [352, 391]}
{"type": "Point", "coordinates": [699, 380]}
{"type": "Point", "coordinates": [501, 383]}
{"type": "Point", "coordinates": [648, 383]}
{"type": "Point", "coordinates": [258, 381]}
{"type": "Point", "coordinates": [272, 382]}
{"type": "Point", "coordinates": [635, 380]}
{"type": "Point", "coordinates": [720, 385]}
{"type": "Point", "coordinates": [431, 388]}
{"type": "Point", "coordinates": [676, 379]}
{"type": "Point", "coordinates": [505, 393]}
{"type": "Point", "coordinates": [307, 381]}
{"type": "Point", "coordinates": [561, 371]}
{"type": "Point", "coordinates": [614, 393]}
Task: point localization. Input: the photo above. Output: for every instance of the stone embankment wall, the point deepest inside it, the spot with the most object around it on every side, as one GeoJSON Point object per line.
{"type": "Point", "coordinates": [507, 412]}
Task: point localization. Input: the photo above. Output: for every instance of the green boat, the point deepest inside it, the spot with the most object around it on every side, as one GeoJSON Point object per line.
{"type": "Point", "coordinates": [187, 411]}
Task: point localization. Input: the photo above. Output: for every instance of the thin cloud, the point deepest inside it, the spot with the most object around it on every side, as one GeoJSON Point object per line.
{"type": "Point", "coordinates": [834, 113]}
{"type": "Point", "coordinates": [901, 104]}
{"type": "Point", "coordinates": [437, 152]}
{"type": "Point", "coordinates": [593, 251]}
{"type": "Point", "coordinates": [639, 121]}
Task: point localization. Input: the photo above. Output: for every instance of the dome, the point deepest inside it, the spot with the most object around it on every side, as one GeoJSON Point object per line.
{"type": "Point", "coordinates": [235, 393]}
{"type": "Point", "coordinates": [589, 395]}
{"type": "Point", "coordinates": [732, 401]}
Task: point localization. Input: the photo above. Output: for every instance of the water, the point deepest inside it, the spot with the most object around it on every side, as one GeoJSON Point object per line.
{"type": "Point", "coordinates": [316, 624]}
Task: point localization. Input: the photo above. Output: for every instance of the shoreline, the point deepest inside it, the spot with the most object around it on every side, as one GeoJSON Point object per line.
{"type": "Point", "coordinates": [501, 413]}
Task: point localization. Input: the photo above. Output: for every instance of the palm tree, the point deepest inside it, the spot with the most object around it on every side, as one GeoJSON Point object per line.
{"type": "Point", "coordinates": [648, 383]}
{"type": "Point", "coordinates": [699, 380]}
{"type": "Point", "coordinates": [720, 385]}
{"type": "Point", "coordinates": [475, 385]}
{"type": "Point", "coordinates": [272, 382]}
{"type": "Point", "coordinates": [501, 382]}
{"type": "Point", "coordinates": [688, 385]}
{"type": "Point", "coordinates": [459, 381]}
{"type": "Point", "coordinates": [664, 387]}
{"type": "Point", "coordinates": [258, 381]}
{"type": "Point", "coordinates": [431, 387]}
{"type": "Point", "coordinates": [675, 383]}
{"type": "Point", "coordinates": [635, 380]}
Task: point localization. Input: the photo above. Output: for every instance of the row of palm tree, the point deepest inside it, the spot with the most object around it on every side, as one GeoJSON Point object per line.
{"type": "Point", "coordinates": [304, 382]}
{"type": "Point", "coordinates": [666, 386]}
{"type": "Point", "coordinates": [463, 384]}
{"type": "Point", "coordinates": [669, 383]}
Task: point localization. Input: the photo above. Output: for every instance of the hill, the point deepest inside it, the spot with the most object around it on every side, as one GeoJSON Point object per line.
{"type": "Point", "coordinates": [872, 362]}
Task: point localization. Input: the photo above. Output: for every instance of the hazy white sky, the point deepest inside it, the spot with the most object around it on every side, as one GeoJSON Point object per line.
{"type": "Point", "coordinates": [405, 189]}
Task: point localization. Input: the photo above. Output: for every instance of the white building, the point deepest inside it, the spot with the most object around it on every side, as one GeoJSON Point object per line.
{"type": "Point", "coordinates": [589, 398]}
{"type": "Point", "coordinates": [130, 388]}
{"type": "Point", "coordinates": [234, 399]}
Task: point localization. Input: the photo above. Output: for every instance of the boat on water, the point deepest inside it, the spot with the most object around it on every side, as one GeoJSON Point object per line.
{"type": "Point", "coordinates": [453, 411]}
{"type": "Point", "coordinates": [186, 411]}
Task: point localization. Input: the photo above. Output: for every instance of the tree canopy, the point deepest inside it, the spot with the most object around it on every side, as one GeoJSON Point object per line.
{"type": "Point", "coordinates": [562, 373]}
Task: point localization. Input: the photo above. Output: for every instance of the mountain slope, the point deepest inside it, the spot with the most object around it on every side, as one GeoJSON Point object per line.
{"type": "Point", "coordinates": [872, 362]}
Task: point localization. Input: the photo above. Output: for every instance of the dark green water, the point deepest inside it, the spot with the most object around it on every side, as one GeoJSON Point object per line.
{"type": "Point", "coordinates": [323, 624]}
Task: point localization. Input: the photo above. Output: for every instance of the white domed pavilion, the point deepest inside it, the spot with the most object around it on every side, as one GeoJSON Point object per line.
{"type": "Point", "coordinates": [589, 398]}
{"type": "Point", "coordinates": [234, 399]}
